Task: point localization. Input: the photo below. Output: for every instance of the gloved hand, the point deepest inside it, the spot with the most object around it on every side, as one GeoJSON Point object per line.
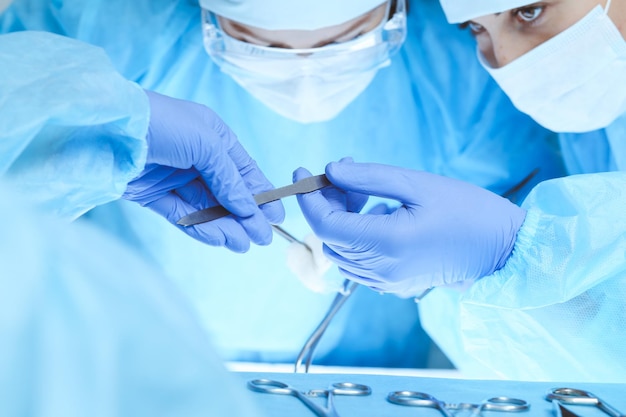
{"type": "Point", "coordinates": [195, 161]}
{"type": "Point", "coordinates": [445, 231]}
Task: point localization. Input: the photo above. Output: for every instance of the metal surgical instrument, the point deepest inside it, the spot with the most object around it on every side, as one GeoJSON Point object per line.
{"type": "Point", "coordinates": [269, 386]}
{"type": "Point", "coordinates": [421, 399]}
{"type": "Point", "coordinates": [307, 351]}
{"type": "Point", "coordinates": [303, 186]}
{"type": "Point", "coordinates": [580, 397]}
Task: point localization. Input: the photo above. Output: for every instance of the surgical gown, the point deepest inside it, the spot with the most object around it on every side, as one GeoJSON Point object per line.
{"type": "Point", "coordinates": [417, 113]}
{"type": "Point", "coordinates": [556, 309]}
{"type": "Point", "coordinates": [90, 335]}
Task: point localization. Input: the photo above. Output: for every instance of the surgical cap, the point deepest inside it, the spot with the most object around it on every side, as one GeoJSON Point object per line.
{"type": "Point", "coordinates": [290, 14]}
{"type": "Point", "coordinates": [458, 11]}
{"type": "Point", "coordinates": [4, 4]}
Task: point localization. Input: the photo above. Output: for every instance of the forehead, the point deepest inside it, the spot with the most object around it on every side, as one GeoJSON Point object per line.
{"type": "Point", "coordinates": [458, 11]}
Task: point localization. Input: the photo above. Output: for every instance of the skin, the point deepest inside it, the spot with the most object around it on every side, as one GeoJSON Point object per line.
{"type": "Point", "coordinates": [503, 37]}
{"type": "Point", "coordinates": [303, 39]}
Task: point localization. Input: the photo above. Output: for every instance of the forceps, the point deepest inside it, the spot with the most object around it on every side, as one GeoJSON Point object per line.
{"type": "Point", "coordinates": [269, 386]}
{"type": "Point", "coordinates": [580, 397]}
{"type": "Point", "coordinates": [421, 399]}
{"type": "Point", "coordinates": [307, 351]}
{"type": "Point", "coordinates": [310, 345]}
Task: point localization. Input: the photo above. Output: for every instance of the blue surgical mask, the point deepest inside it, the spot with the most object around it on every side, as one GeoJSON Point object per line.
{"type": "Point", "coordinates": [573, 82]}
{"type": "Point", "coordinates": [306, 85]}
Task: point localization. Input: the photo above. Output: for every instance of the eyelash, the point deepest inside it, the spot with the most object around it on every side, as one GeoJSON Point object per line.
{"type": "Point", "coordinates": [536, 10]}
{"type": "Point", "coordinates": [474, 28]}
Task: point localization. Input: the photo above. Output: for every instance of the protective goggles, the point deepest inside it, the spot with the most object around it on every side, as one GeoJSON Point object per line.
{"type": "Point", "coordinates": [366, 52]}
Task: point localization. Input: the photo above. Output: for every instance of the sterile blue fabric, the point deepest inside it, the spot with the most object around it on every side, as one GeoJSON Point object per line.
{"type": "Point", "coordinates": [417, 113]}
{"type": "Point", "coordinates": [557, 305]}
{"type": "Point", "coordinates": [443, 232]}
{"type": "Point", "coordinates": [88, 328]}
{"type": "Point", "coordinates": [66, 111]}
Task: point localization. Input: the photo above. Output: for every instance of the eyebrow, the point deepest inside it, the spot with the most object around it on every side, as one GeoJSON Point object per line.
{"type": "Point", "coordinates": [244, 30]}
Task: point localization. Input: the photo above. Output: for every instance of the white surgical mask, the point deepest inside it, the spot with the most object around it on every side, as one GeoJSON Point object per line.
{"type": "Point", "coordinates": [306, 85]}
{"type": "Point", "coordinates": [574, 82]}
{"type": "Point", "coordinates": [305, 98]}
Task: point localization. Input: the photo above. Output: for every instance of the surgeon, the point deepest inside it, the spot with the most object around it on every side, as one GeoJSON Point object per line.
{"type": "Point", "coordinates": [302, 84]}
{"type": "Point", "coordinates": [533, 292]}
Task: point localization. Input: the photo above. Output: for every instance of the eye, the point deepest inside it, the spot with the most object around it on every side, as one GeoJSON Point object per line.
{"type": "Point", "coordinates": [528, 14]}
{"type": "Point", "coordinates": [474, 27]}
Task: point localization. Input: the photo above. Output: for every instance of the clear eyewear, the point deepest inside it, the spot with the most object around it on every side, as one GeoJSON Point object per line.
{"type": "Point", "coordinates": [368, 51]}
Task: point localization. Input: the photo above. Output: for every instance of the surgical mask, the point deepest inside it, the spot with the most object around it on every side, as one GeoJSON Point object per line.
{"type": "Point", "coordinates": [573, 82]}
{"type": "Point", "coordinates": [306, 85]}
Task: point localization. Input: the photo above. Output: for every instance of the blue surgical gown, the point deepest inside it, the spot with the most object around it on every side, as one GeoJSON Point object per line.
{"type": "Point", "coordinates": [417, 113]}
{"type": "Point", "coordinates": [88, 328]}
{"type": "Point", "coordinates": [556, 310]}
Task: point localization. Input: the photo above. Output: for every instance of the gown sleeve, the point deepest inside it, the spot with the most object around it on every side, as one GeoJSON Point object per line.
{"type": "Point", "coordinates": [555, 311]}
{"type": "Point", "coordinates": [72, 129]}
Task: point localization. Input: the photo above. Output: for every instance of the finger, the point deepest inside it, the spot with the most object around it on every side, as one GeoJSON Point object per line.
{"type": "Point", "coordinates": [380, 180]}
{"type": "Point", "coordinates": [257, 183]}
{"type": "Point", "coordinates": [222, 174]}
{"type": "Point", "coordinates": [256, 226]}
{"type": "Point", "coordinates": [274, 212]}
{"type": "Point", "coordinates": [222, 232]}
{"type": "Point", "coordinates": [331, 224]}
{"type": "Point", "coordinates": [197, 194]}
{"type": "Point", "coordinates": [356, 201]}
{"type": "Point", "coordinates": [356, 266]}
{"type": "Point", "coordinates": [156, 181]}
{"type": "Point", "coordinates": [367, 282]}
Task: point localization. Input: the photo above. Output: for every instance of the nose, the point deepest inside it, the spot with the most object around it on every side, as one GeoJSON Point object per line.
{"type": "Point", "coordinates": [502, 55]}
{"type": "Point", "coordinates": [498, 53]}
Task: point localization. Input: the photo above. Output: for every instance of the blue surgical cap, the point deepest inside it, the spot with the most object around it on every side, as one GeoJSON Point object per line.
{"type": "Point", "coordinates": [458, 11]}
{"type": "Point", "coordinates": [290, 14]}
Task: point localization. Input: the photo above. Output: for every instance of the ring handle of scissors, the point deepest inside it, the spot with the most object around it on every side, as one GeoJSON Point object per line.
{"type": "Point", "coordinates": [581, 397]}
{"type": "Point", "coordinates": [341, 388]}
{"type": "Point", "coordinates": [413, 398]}
{"type": "Point", "coordinates": [505, 404]}
{"type": "Point", "coordinates": [572, 396]}
{"type": "Point", "coordinates": [269, 386]}
{"type": "Point", "coordinates": [350, 388]}
{"type": "Point", "coordinates": [418, 399]}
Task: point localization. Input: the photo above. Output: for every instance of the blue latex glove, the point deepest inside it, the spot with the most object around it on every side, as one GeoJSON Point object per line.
{"type": "Point", "coordinates": [445, 231]}
{"type": "Point", "coordinates": [195, 161]}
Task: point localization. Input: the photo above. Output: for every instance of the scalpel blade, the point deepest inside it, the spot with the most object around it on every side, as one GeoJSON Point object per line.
{"type": "Point", "coordinates": [303, 186]}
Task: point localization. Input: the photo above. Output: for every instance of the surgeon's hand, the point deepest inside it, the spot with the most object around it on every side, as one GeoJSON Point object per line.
{"type": "Point", "coordinates": [445, 231]}
{"type": "Point", "coordinates": [195, 161]}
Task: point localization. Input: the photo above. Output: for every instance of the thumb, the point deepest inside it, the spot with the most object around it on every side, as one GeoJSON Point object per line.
{"type": "Point", "coordinates": [379, 180]}
{"type": "Point", "coordinates": [329, 222]}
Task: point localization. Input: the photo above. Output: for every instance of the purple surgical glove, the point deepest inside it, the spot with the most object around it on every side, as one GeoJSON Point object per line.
{"type": "Point", "coordinates": [195, 161]}
{"type": "Point", "coordinates": [446, 231]}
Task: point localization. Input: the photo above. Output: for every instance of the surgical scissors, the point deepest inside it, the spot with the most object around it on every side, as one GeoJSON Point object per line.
{"type": "Point", "coordinates": [269, 386]}
{"type": "Point", "coordinates": [421, 399]}
{"type": "Point", "coordinates": [580, 397]}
